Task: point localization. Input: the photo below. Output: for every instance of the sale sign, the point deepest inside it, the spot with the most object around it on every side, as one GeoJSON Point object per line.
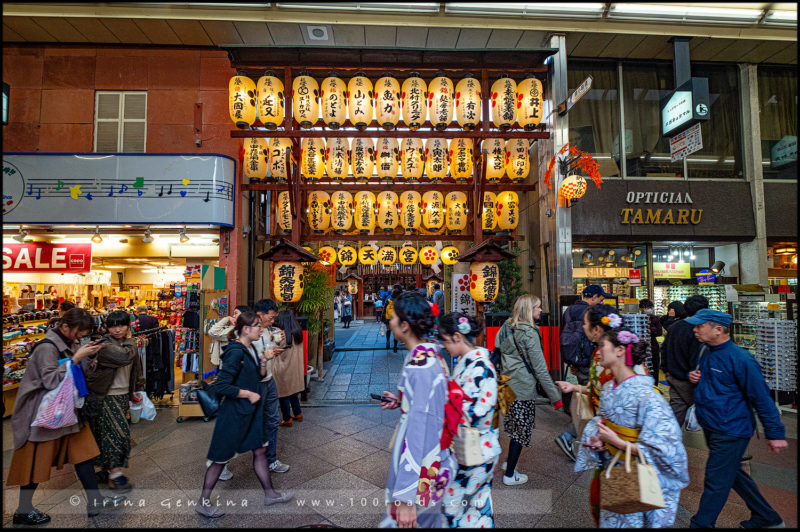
{"type": "Point", "coordinates": [635, 277]}
{"type": "Point", "coordinates": [44, 257]}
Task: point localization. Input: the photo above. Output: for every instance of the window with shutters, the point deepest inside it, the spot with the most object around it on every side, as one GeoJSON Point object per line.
{"type": "Point", "coordinates": [120, 123]}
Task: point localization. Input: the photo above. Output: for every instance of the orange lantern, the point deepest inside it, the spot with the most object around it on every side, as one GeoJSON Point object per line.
{"type": "Point", "coordinates": [277, 158]}
{"type": "Point", "coordinates": [305, 101]}
{"type": "Point", "coordinates": [242, 101]}
{"type": "Point", "coordinates": [573, 187]}
{"type": "Point", "coordinates": [456, 211]}
{"type": "Point", "coordinates": [365, 211]}
{"type": "Point", "coordinates": [410, 210]}
{"type": "Point", "coordinates": [412, 157]}
{"type": "Point", "coordinates": [507, 211]}
{"type": "Point", "coordinates": [388, 158]}
{"type": "Point", "coordinates": [428, 255]}
{"type": "Point", "coordinates": [468, 103]}
{"type": "Point", "coordinates": [461, 158]}
{"type": "Point", "coordinates": [333, 95]}
{"type": "Point", "coordinates": [319, 211]}
{"type": "Point", "coordinates": [450, 255]}
{"type": "Point", "coordinates": [342, 211]}
{"type": "Point", "coordinates": [287, 281]}
{"type": "Point", "coordinates": [387, 255]}
{"type": "Point", "coordinates": [432, 210]}
{"type": "Point", "coordinates": [352, 287]}
{"type": "Point", "coordinates": [504, 108]}
{"type": "Point", "coordinates": [368, 255]}
{"type": "Point", "coordinates": [363, 158]}
{"type": "Point", "coordinates": [387, 211]}
{"type": "Point", "coordinates": [414, 95]}
{"type": "Point", "coordinates": [407, 255]}
{"type": "Point", "coordinates": [337, 158]}
{"type": "Point", "coordinates": [327, 255]}
{"type": "Point", "coordinates": [347, 256]}
{"type": "Point", "coordinates": [312, 162]}
{"type": "Point", "coordinates": [440, 102]}
{"type": "Point", "coordinates": [436, 156]}
{"type": "Point", "coordinates": [431, 287]}
{"type": "Point", "coordinates": [359, 101]}
{"type": "Point", "coordinates": [284, 211]}
{"type": "Point", "coordinates": [518, 164]}
{"type": "Point", "coordinates": [387, 102]}
{"type": "Point", "coordinates": [488, 218]}
{"type": "Point", "coordinates": [256, 159]}
{"type": "Point", "coordinates": [496, 159]}
{"type": "Point", "coordinates": [484, 281]}
{"type": "Point", "coordinates": [529, 103]}
{"type": "Point", "coordinates": [270, 101]}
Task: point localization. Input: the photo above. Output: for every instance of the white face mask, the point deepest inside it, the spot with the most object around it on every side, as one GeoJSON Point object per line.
{"type": "Point", "coordinates": [648, 311]}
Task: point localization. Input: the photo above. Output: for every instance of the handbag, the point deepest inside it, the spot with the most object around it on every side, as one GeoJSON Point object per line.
{"type": "Point", "coordinates": [629, 490]}
{"type": "Point", "coordinates": [505, 396]}
{"type": "Point", "coordinates": [209, 400]}
{"type": "Point", "coordinates": [467, 446]}
{"type": "Point", "coordinates": [580, 410]}
{"type": "Point", "coordinates": [57, 409]}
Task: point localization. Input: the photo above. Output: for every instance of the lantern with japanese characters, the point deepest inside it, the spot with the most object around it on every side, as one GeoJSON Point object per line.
{"type": "Point", "coordinates": [387, 102]}
{"type": "Point", "coordinates": [573, 187]}
{"type": "Point", "coordinates": [407, 255]}
{"type": "Point", "coordinates": [488, 217]}
{"type": "Point", "coordinates": [518, 163]}
{"type": "Point", "coordinates": [507, 210]}
{"type": "Point", "coordinates": [285, 211]}
{"type": "Point", "coordinates": [312, 163]}
{"type": "Point", "coordinates": [428, 255]}
{"type": "Point", "coordinates": [337, 158]}
{"type": "Point", "coordinates": [305, 101]}
{"type": "Point", "coordinates": [468, 102]}
{"type": "Point", "coordinates": [342, 211]}
{"type": "Point", "coordinates": [277, 158]}
{"type": "Point", "coordinates": [387, 211]}
{"type": "Point", "coordinates": [529, 103]}
{"type": "Point", "coordinates": [333, 95]}
{"type": "Point", "coordinates": [364, 205]}
{"type": "Point", "coordinates": [319, 212]}
{"type": "Point", "coordinates": [484, 281]}
{"type": "Point", "coordinates": [388, 158]}
{"type": "Point", "coordinates": [352, 287]}
{"type": "Point", "coordinates": [431, 286]}
{"type": "Point", "coordinates": [270, 101]}
{"type": "Point", "coordinates": [414, 94]}
{"type": "Point", "coordinates": [256, 159]}
{"type": "Point", "coordinates": [410, 210]}
{"type": "Point", "coordinates": [327, 255]}
{"type": "Point", "coordinates": [387, 255]}
{"type": "Point", "coordinates": [368, 255]}
{"type": "Point", "coordinates": [461, 158]}
{"type": "Point", "coordinates": [449, 255]}
{"type": "Point", "coordinates": [362, 158]}
{"type": "Point", "coordinates": [412, 158]}
{"type": "Point", "coordinates": [440, 102]}
{"type": "Point", "coordinates": [504, 103]}
{"type": "Point", "coordinates": [496, 159]}
{"type": "Point", "coordinates": [359, 101]}
{"type": "Point", "coordinates": [348, 256]}
{"type": "Point", "coordinates": [287, 281]}
{"type": "Point", "coordinates": [242, 101]}
{"type": "Point", "coordinates": [456, 211]}
{"type": "Point", "coordinates": [436, 157]}
{"type": "Point", "coordinates": [433, 210]}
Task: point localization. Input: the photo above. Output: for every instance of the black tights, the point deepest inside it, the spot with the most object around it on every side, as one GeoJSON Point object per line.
{"type": "Point", "coordinates": [514, 450]}
{"type": "Point", "coordinates": [85, 473]}
{"type": "Point", "coordinates": [260, 466]}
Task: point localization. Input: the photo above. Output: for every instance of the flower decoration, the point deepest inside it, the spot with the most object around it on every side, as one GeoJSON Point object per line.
{"type": "Point", "coordinates": [615, 320]}
{"type": "Point", "coordinates": [574, 161]}
{"type": "Point", "coordinates": [463, 325]}
{"type": "Point", "coordinates": [435, 310]}
{"type": "Point", "coordinates": [627, 337]}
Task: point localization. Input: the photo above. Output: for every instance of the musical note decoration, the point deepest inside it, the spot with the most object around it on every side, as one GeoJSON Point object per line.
{"type": "Point", "coordinates": [75, 191]}
{"type": "Point", "coordinates": [139, 183]}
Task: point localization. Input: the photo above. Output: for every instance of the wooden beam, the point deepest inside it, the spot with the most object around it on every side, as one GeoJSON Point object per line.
{"type": "Point", "coordinates": [395, 133]}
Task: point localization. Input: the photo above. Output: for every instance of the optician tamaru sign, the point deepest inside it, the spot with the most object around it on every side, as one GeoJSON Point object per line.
{"type": "Point", "coordinates": [662, 215]}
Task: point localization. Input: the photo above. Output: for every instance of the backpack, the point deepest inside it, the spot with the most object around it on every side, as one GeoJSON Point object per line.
{"type": "Point", "coordinates": [389, 309]}
{"type": "Point", "coordinates": [575, 347]}
{"type": "Point", "coordinates": [496, 358]}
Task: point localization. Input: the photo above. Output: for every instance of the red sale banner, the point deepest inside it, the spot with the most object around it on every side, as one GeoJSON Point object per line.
{"type": "Point", "coordinates": [635, 277]}
{"type": "Point", "coordinates": [43, 257]}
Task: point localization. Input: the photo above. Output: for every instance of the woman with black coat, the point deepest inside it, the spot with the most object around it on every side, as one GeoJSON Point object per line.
{"type": "Point", "coordinates": [675, 311]}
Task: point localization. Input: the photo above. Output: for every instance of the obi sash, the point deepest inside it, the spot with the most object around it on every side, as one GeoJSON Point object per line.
{"type": "Point", "coordinates": [626, 433]}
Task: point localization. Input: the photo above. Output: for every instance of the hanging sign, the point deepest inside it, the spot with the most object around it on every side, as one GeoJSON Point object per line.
{"type": "Point", "coordinates": [635, 277]}
{"type": "Point", "coordinates": [705, 277]}
{"type": "Point", "coordinates": [685, 106]}
{"type": "Point", "coordinates": [577, 94]}
{"type": "Point", "coordinates": [460, 298]}
{"type": "Point", "coordinates": [671, 270]}
{"type": "Point", "coordinates": [43, 257]}
{"type": "Point", "coordinates": [685, 143]}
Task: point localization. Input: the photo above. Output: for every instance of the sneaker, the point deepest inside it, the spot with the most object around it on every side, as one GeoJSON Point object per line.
{"type": "Point", "coordinates": [515, 480]}
{"type": "Point", "coordinates": [34, 517]}
{"type": "Point", "coordinates": [752, 523]}
{"type": "Point", "coordinates": [278, 467]}
{"type": "Point", "coordinates": [107, 504]}
{"type": "Point", "coordinates": [208, 510]}
{"type": "Point", "coordinates": [564, 442]}
{"type": "Point", "coordinates": [120, 484]}
{"type": "Point", "coordinates": [226, 474]}
{"type": "Point", "coordinates": [286, 496]}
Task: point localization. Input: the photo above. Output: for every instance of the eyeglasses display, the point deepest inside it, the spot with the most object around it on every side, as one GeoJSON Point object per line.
{"type": "Point", "coordinates": [640, 325]}
{"type": "Point", "coordinates": [776, 352]}
{"type": "Point", "coordinates": [664, 295]}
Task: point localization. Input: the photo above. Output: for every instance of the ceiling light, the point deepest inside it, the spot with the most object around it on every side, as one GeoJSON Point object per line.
{"type": "Point", "coordinates": [591, 10]}
{"type": "Point", "coordinates": [398, 7]}
{"type": "Point", "coordinates": [794, 259]}
{"type": "Point", "coordinates": [692, 256]}
{"type": "Point", "coordinates": [679, 13]}
{"type": "Point", "coordinates": [637, 252]}
{"type": "Point", "coordinates": [96, 238]}
{"type": "Point", "coordinates": [182, 235]}
{"type": "Point", "coordinates": [717, 266]}
{"type": "Point", "coordinates": [781, 18]}
{"type": "Point", "coordinates": [147, 237]}
{"type": "Point", "coordinates": [785, 250]}
{"type": "Point", "coordinates": [20, 237]}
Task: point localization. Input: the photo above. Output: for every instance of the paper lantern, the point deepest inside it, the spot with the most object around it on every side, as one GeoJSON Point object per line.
{"type": "Point", "coordinates": [484, 281]}
{"type": "Point", "coordinates": [414, 94]}
{"type": "Point", "coordinates": [387, 211]}
{"type": "Point", "coordinates": [529, 103]}
{"type": "Point", "coordinates": [341, 211]}
{"type": "Point", "coordinates": [305, 101]}
{"type": "Point", "coordinates": [433, 210]}
{"type": "Point", "coordinates": [352, 286]}
{"type": "Point", "coordinates": [327, 255]}
{"type": "Point", "coordinates": [507, 211]}
{"type": "Point", "coordinates": [362, 158]}
{"type": "Point", "coordinates": [407, 255]}
{"type": "Point", "coordinates": [461, 158]}
{"type": "Point", "coordinates": [496, 159]}
{"type": "Point", "coordinates": [518, 164]}
{"type": "Point", "coordinates": [387, 102]}
{"type": "Point", "coordinates": [287, 281]}
{"type": "Point", "coordinates": [364, 205]}
{"type": "Point", "coordinates": [450, 255]}
{"type": "Point", "coordinates": [312, 163]}
{"type": "Point", "coordinates": [428, 255]}
{"type": "Point", "coordinates": [410, 210]}
{"type": "Point", "coordinates": [368, 255]}
{"type": "Point", "coordinates": [436, 157]}
{"type": "Point", "coordinates": [431, 287]}
{"type": "Point", "coordinates": [456, 211]}
{"type": "Point", "coordinates": [319, 213]}
{"type": "Point", "coordinates": [277, 158]}
{"type": "Point", "coordinates": [348, 256]}
{"type": "Point", "coordinates": [488, 218]}
{"type": "Point", "coordinates": [256, 158]}
{"type": "Point", "coordinates": [242, 101]}
{"type": "Point", "coordinates": [284, 211]}
{"type": "Point", "coordinates": [573, 187]}
{"type": "Point", "coordinates": [504, 108]}
{"type": "Point", "coordinates": [468, 103]}
{"type": "Point", "coordinates": [412, 158]}
{"type": "Point", "coordinates": [270, 101]}
{"type": "Point", "coordinates": [359, 101]}
{"type": "Point", "coordinates": [440, 102]}
{"type": "Point", "coordinates": [337, 158]}
{"type": "Point", "coordinates": [388, 158]}
{"type": "Point", "coordinates": [387, 255]}
{"type": "Point", "coordinates": [333, 95]}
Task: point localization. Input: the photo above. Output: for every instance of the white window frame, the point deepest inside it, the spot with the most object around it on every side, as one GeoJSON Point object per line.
{"type": "Point", "coordinates": [120, 118]}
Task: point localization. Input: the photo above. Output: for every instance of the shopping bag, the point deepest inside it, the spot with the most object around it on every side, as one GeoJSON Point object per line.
{"type": "Point", "coordinates": [57, 409]}
{"type": "Point", "coordinates": [580, 410]}
{"type": "Point", "coordinates": [691, 420]}
{"type": "Point", "coordinates": [630, 490]}
{"type": "Point", "coordinates": [148, 408]}
{"type": "Point", "coordinates": [467, 446]}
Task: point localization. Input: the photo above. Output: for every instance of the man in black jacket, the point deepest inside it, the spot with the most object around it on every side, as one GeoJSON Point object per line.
{"type": "Point", "coordinates": [679, 356]}
{"type": "Point", "coordinates": [146, 321]}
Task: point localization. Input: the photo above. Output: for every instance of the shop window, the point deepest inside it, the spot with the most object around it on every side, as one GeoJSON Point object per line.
{"type": "Point", "coordinates": [120, 122]}
{"type": "Point", "coordinates": [777, 103]}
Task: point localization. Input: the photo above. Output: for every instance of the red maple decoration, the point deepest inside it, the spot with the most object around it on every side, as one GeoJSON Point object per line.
{"type": "Point", "coordinates": [574, 162]}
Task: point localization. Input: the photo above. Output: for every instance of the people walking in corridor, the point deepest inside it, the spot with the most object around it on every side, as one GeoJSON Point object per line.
{"type": "Point", "coordinates": [389, 313]}
{"type": "Point", "coordinates": [288, 370]}
{"type": "Point", "coordinates": [347, 309]}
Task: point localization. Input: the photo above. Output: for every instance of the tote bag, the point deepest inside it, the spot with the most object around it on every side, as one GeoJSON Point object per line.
{"type": "Point", "coordinates": [57, 409]}
{"type": "Point", "coordinates": [580, 410]}
{"type": "Point", "coordinates": [630, 489]}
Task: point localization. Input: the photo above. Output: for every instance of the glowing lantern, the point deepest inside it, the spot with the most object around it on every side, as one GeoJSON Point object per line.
{"type": "Point", "coordinates": [408, 255]}
{"type": "Point", "coordinates": [365, 211]}
{"type": "Point", "coordinates": [488, 218]}
{"type": "Point", "coordinates": [305, 101]}
{"type": "Point", "coordinates": [410, 207]}
{"type": "Point", "coordinates": [319, 213]}
{"type": "Point", "coordinates": [388, 158]}
{"type": "Point", "coordinates": [432, 210]}
{"type": "Point", "coordinates": [432, 287]}
{"type": "Point", "coordinates": [387, 211]}
{"type": "Point", "coordinates": [504, 108]}
{"type": "Point", "coordinates": [496, 159]}
{"type": "Point", "coordinates": [387, 255]}
{"type": "Point", "coordinates": [450, 255]}
{"type": "Point", "coordinates": [333, 95]}
{"type": "Point", "coordinates": [352, 286]}
{"type": "Point", "coordinates": [348, 256]}
{"type": "Point", "coordinates": [312, 165]}
{"type": "Point", "coordinates": [387, 102]}
{"type": "Point", "coordinates": [368, 255]}
{"type": "Point", "coordinates": [242, 101]}
{"type": "Point", "coordinates": [428, 255]}
{"type": "Point", "coordinates": [529, 103]}
{"type": "Point", "coordinates": [518, 163]}
{"type": "Point", "coordinates": [484, 281]}
{"type": "Point", "coordinates": [337, 158]}
{"type": "Point", "coordinates": [362, 158]}
{"type": "Point", "coordinates": [342, 211]}
{"type": "Point", "coordinates": [573, 187]}
{"type": "Point", "coordinates": [461, 158]}
{"type": "Point", "coordinates": [507, 211]}
{"type": "Point", "coordinates": [359, 101]}
{"type": "Point", "coordinates": [440, 102]}
{"type": "Point", "coordinates": [277, 158]}
{"type": "Point", "coordinates": [270, 101]}
{"type": "Point", "coordinates": [256, 158]}
{"type": "Point", "coordinates": [436, 156]}
{"type": "Point", "coordinates": [327, 255]}
{"type": "Point", "coordinates": [456, 211]}
{"type": "Point", "coordinates": [284, 211]}
{"type": "Point", "coordinates": [468, 102]}
{"type": "Point", "coordinates": [287, 281]}
{"type": "Point", "coordinates": [415, 102]}
{"type": "Point", "coordinates": [413, 162]}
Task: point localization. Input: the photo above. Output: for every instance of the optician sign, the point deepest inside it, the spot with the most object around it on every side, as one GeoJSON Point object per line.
{"type": "Point", "coordinates": [685, 106]}
{"type": "Point", "coordinates": [663, 215]}
{"type": "Point", "coordinates": [43, 257]}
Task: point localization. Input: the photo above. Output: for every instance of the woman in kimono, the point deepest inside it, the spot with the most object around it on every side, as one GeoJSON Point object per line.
{"type": "Point", "coordinates": [631, 410]}
{"type": "Point", "coordinates": [421, 465]}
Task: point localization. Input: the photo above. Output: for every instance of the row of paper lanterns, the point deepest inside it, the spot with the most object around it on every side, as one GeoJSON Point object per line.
{"type": "Point", "coordinates": [387, 255]}
{"type": "Point", "coordinates": [338, 157]}
{"type": "Point", "coordinates": [386, 101]}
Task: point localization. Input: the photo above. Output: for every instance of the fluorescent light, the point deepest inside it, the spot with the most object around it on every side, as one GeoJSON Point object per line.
{"type": "Point", "coordinates": [678, 13]}
{"type": "Point", "coordinates": [781, 18]}
{"type": "Point", "coordinates": [397, 7]}
{"type": "Point", "coordinates": [592, 10]}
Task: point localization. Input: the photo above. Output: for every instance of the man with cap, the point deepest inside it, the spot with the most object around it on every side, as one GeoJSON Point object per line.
{"type": "Point", "coordinates": [729, 382]}
{"type": "Point", "coordinates": [146, 321]}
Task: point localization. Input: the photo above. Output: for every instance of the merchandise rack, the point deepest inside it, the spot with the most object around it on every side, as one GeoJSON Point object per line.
{"type": "Point", "coordinates": [776, 352]}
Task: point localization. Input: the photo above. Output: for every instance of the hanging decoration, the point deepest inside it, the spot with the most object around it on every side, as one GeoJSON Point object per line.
{"type": "Point", "coordinates": [305, 101]}
{"type": "Point", "coordinates": [428, 255]}
{"type": "Point", "coordinates": [484, 280]}
{"type": "Point", "coordinates": [270, 101]}
{"type": "Point", "coordinates": [363, 158]}
{"type": "Point", "coordinates": [432, 210]}
{"type": "Point", "coordinates": [410, 210]}
{"type": "Point", "coordinates": [450, 255]}
{"type": "Point", "coordinates": [352, 287]}
{"type": "Point", "coordinates": [468, 102]}
{"type": "Point", "coordinates": [319, 212]}
{"type": "Point", "coordinates": [431, 286]}
{"type": "Point", "coordinates": [277, 158]}
{"type": "Point", "coordinates": [327, 255]}
{"type": "Point", "coordinates": [312, 162]}
{"type": "Point", "coordinates": [388, 158]}
{"type": "Point", "coordinates": [456, 211]}
{"type": "Point", "coordinates": [347, 256]}
{"type": "Point", "coordinates": [337, 158]}
{"type": "Point", "coordinates": [412, 158]}
{"type": "Point", "coordinates": [368, 255]}
{"type": "Point", "coordinates": [518, 163]}
{"type": "Point", "coordinates": [256, 159]}
{"type": "Point", "coordinates": [333, 95]}
{"type": "Point", "coordinates": [488, 218]}
{"type": "Point", "coordinates": [242, 101]}
{"type": "Point", "coordinates": [414, 94]}
{"type": "Point", "coordinates": [529, 103]}
{"type": "Point", "coordinates": [359, 101]}
{"type": "Point", "coordinates": [407, 255]}
{"type": "Point", "coordinates": [387, 255]}
{"type": "Point", "coordinates": [287, 281]}
{"type": "Point", "coordinates": [495, 149]}
{"type": "Point", "coordinates": [284, 211]}
{"type": "Point", "coordinates": [387, 211]}
{"type": "Point", "coordinates": [504, 109]}
{"type": "Point", "coordinates": [387, 102]}
{"type": "Point", "coordinates": [364, 206]}
{"type": "Point", "coordinates": [461, 158]}
{"type": "Point", "coordinates": [440, 102]}
{"type": "Point", "coordinates": [507, 210]}
{"type": "Point", "coordinates": [573, 187]}
{"type": "Point", "coordinates": [436, 157]}
{"type": "Point", "coordinates": [572, 162]}
{"type": "Point", "coordinates": [342, 213]}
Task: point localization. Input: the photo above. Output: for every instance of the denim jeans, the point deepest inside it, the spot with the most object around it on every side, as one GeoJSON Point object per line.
{"type": "Point", "coordinates": [285, 402]}
{"type": "Point", "coordinates": [269, 402]}
{"type": "Point", "coordinates": [723, 472]}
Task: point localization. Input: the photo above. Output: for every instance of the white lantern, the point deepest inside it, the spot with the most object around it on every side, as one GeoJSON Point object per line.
{"type": "Point", "coordinates": [284, 213]}
{"type": "Point", "coordinates": [319, 211]}
{"type": "Point", "coordinates": [507, 210]}
{"type": "Point", "coordinates": [461, 158]}
{"type": "Point", "coordinates": [414, 95]}
{"type": "Point", "coordinates": [337, 158]}
{"type": "Point", "coordinates": [412, 158]}
{"type": "Point", "coordinates": [305, 101]}
{"type": "Point", "coordinates": [436, 157]}
{"type": "Point", "coordinates": [496, 159]}
{"type": "Point", "coordinates": [359, 101]}
{"type": "Point", "coordinates": [277, 158]}
{"type": "Point", "coordinates": [387, 102]}
{"type": "Point", "coordinates": [530, 102]}
{"type": "Point", "coordinates": [504, 108]}
{"type": "Point", "coordinates": [433, 210]}
{"type": "Point", "coordinates": [388, 158]}
{"type": "Point", "coordinates": [287, 281]}
{"type": "Point", "coordinates": [256, 159]}
{"type": "Point", "coordinates": [242, 101]}
{"type": "Point", "coordinates": [517, 159]}
{"type": "Point", "coordinates": [270, 101]}
{"type": "Point", "coordinates": [312, 162]}
{"type": "Point", "coordinates": [333, 94]}
{"type": "Point", "coordinates": [362, 158]}
{"type": "Point", "coordinates": [342, 211]}
{"type": "Point", "coordinates": [365, 211]}
{"type": "Point", "coordinates": [484, 281]}
{"type": "Point", "coordinates": [456, 210]}
{"type": "Point", "coordinates": [468, 103]}
{"type": "Point", "coordinates": [387, 211]}
{"type": "Point", "coordinates": [410, 210]}
{"type": "Point", "coordinates": [488, 218]}
{"type": "Point", "coordinates": [440, 102]}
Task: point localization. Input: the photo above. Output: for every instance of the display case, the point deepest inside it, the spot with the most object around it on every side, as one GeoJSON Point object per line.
{"type": "Point", "coordinates": [745, 316]}
{"type": "Point", "coordinates": [776, 352]}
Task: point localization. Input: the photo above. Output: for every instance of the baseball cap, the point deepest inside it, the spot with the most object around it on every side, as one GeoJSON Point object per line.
{"type": "Point", "coordinates": [707, 314]}
{"type": "Point", "coordinates": [595, 290]}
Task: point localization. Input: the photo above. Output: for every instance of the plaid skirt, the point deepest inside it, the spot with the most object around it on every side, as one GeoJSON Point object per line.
{"type": "Point", "coordinates": [112, 432]}
{"type": "Point", "coordinates": [520, 420]}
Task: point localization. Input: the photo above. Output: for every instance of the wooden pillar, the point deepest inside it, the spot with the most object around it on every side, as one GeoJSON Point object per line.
{"type": "Point", "coordinates": [360, 296]}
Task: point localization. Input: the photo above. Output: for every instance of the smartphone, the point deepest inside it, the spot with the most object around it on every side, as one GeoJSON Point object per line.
{"type": "Point", "coordinates": [381, 398]}
{"type": "Point", "coordinates": [100, 340]}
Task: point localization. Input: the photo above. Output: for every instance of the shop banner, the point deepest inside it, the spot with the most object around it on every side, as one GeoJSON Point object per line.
{"type": "Point", "coordinates": [685, 143]}
{"type": "Point", "coordinates": [635, 277]}
{"type": "Point", "coordinates": [460, 298]}
{"type": "Point", "coordinates": [671, 270]}
{"type": "Point", "coordinates": [43, 257]}
{"type": "Point", "coordinates": [705, 277]}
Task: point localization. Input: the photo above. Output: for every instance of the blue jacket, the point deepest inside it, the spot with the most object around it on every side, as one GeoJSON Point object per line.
{"type": "Point", "coordinates": [731, 383]}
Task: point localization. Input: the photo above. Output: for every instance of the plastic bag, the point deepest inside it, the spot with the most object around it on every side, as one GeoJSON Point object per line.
{"type": "Point", "coordinates": [57, 409]}
{"type": "Point", "coordinates": [691, 420]}
{"type": "Point", "coordinates": [148, 409]}
{"type": "Point", "coordinates": [383, 329]}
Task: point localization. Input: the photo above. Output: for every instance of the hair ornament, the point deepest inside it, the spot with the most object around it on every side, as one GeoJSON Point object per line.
{"type": "Point", "coordinates": [435, 310]}
{"type": "Point", "coordinates": [463, 326]}
{"type": "Point", "coordinates": [614, 320]}
{"type": "Point", "coordinates": [627, 337]}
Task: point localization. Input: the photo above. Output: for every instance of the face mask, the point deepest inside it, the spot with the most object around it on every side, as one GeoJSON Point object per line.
{"type": "Point", "coordinates": [648, 311]}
